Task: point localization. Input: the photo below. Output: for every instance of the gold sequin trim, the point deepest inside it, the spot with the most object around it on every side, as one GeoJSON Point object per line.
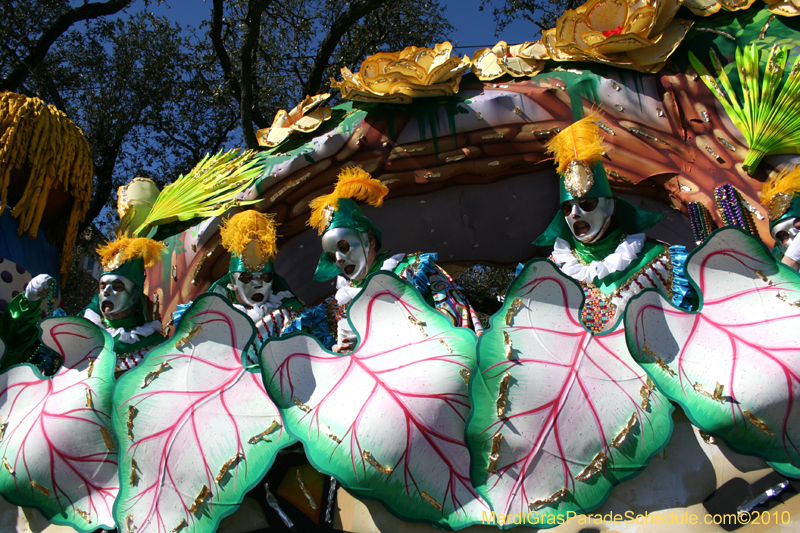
{"type": "Point", "coordinates": [149, 378]}
{"type": "Point", "coordinates": [184, 341]}
{"type": "Point", "coordinates": [8, 467]}
{"type": "Point", "coordinates": [108, 439]}
{"type": "Point", "coordinates": [224, 470]}
{"type": "Point", "coordinates": [535, 505]}
{"type": "Point", "coordinates": [509, 346]}
{"type": "Point", "coordinates": [431, 500]}
{"type": "Point", "coordinates": [593, 468]}
{"type": "Point", "coordinates": [83, 514]}
{"type": "Point", "coordinates": [300, 404]}
{"type": "Point", "coordinates": [379, 467]}
{"type": "Point", "coordinates": [133, 478]}
{"type": "Point", "coordinates": [622, 435]}
{"type": "Point", "coordinates": [43, 490]}
{"type": "Point", "coordinates": [419, 324]}
{"type": "Point", "coordinates": [255, 439]}
{"type": "Point", "coordinates": [132, 411]}
{"type": "Point", "coordinates": [513, 309]}
{"type": "Point", "coordinates": [759, 424]}
{"type": "Point", "coordinates": [204, 493]}
{"type": "Point", "coordinates": [660, 362]}
{"type": "Point", "coordinates": [326, 430]}
{"type": "Point", "coordinates": [502, 397]}
{"type": "Point", "coordinates": [716, 395]}
{"type": "Point", "coordinates": [495, 455]}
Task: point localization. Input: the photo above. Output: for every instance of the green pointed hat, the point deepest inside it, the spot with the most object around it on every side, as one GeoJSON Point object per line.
{"type": "Point", "coordinates": [781, 196]}
{"type": "Point", "coordinates": [338, 210]}
{"type": "Point", "coordinates": [578, 152]}
{"type": "Point", "coordinates": [128, 257]}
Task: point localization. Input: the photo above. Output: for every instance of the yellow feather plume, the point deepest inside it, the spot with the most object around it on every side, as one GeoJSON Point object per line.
{"type": "Point", "coordinates": [788, 182]}
{"type": "Point", "coordinates": [125, 249]}
{"type": "Point", "coordinates": [250, 226]}
{"type": "Point", "coordinates": [109, 251]}
{"type": "Point", "coordinates": [354, 183]}
{"type": "Point", "coordinates": [581, 141]}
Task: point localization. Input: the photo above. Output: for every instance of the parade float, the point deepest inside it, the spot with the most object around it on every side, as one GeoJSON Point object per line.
{"type": "Point", "coordinates": [621, 378]}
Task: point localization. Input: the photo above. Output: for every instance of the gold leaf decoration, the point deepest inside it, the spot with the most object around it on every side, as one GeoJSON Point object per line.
{"type": "Point", "coordinates": [305, 117]}
{"type": "Point", "coordinates": [526, 59]}
{"type": "Point", "coordinates": [400, 77]}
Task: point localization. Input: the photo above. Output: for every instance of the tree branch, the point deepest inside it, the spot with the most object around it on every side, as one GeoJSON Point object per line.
{"type": "Point", "coordinates": [257, 8]}
{"type": "Point", "coordinates": [84, 12]}
{"type": "Point", "coordinates": [227, 66]}
{"type": "Point", "coordinates": [352, 14]}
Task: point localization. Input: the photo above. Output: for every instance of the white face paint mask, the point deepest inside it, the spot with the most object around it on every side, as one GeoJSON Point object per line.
{"type": "Point", "coordinates": [116, 294]}
{"type": "Point", "coordinates": [252, 289]}
{"type": "Point", "coordinates": [588, 218]}
{"type": "Point", "coordinates": [785, 231]}
{"type": "Point", "coordinates": [349, 251]}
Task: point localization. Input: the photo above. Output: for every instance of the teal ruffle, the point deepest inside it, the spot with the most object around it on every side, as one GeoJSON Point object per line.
{"type": "Point", "coordinates": [418, 276]}
{"type": "Point", "coordinates": [313, 320]}
{"type": "Point", "coordinates": [683, 295]}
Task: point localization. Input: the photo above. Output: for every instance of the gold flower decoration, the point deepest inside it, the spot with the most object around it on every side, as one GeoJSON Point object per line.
{"type": "Point", "coordinates": [399, 77]}
{"type": "Point", "coordinates": [526, 59]}
{"type": "Point", "coordinates": [705, 8]}
{"type": "Point", "coordinates": [302, 119]}
{"type": "Point", "coordinates": [639, 35]}
{"type": "Point", "coordinates": [786, 8]}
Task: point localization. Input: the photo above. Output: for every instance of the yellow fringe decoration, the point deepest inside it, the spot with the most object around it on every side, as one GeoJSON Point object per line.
{"type": "Point", "coordinates": [125, 249]}
{"type": "Point", "coordinates": [581, 141]}
{"type": "Point", "coordinates": [250, 226]}
{"type": "Point", "coordinates": [354, 183]}
{"type": "Point", "coordinates": [787, 182]}
{"type": "Point", "coordinates": [40, 137]}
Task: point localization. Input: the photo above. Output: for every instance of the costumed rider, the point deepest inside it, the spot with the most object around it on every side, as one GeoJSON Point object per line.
{"type": "Point", "coordinates": [251, 285]}
{"type": "Point", "coordinates": [598, 239]}
{"type": "Point", "coordinates": [19, 326]}
{"type": "Point", "coordinates": [781, 196]}
{"type": "Point", "coordinates": [120, 306]}
{"type": "Point", "coordinates": [351, 246]}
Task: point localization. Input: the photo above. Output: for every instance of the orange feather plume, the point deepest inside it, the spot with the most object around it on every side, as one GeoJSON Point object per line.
{"type": "Point", "coordinates": [354, 183]}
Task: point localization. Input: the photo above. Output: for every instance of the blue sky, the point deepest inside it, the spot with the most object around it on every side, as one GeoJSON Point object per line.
{"type": "Point", "coordinates": [474, 28]}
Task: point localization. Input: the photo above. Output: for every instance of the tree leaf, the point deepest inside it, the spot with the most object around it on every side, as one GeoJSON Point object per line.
{"type": "Point", "coordinates": [733, 365]}
{"type": "Point", "coordinates": [388, 419]}
{"type": "Point", "coordinates": [58, 451]}
{"type": "Point", "coordinates": [568, 404]}
{"type": "Point", "coordinates": [196, 430]}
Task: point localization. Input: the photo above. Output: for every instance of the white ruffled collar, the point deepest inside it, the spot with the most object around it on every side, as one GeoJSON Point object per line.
{"type": "Point", "coordinates": [618, 260]}
{"type": "Point", "coordinates": [128, 336]}
{"type": "Point", "coordinates": [345, 292]}
{"type": "Point", "coordinates": [257, 312]}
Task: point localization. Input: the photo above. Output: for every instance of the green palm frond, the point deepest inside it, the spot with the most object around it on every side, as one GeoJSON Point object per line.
{"type": "Point", "coordinates": [208, 190]}
{"type": "Point", "coordinates": [769, 115]}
